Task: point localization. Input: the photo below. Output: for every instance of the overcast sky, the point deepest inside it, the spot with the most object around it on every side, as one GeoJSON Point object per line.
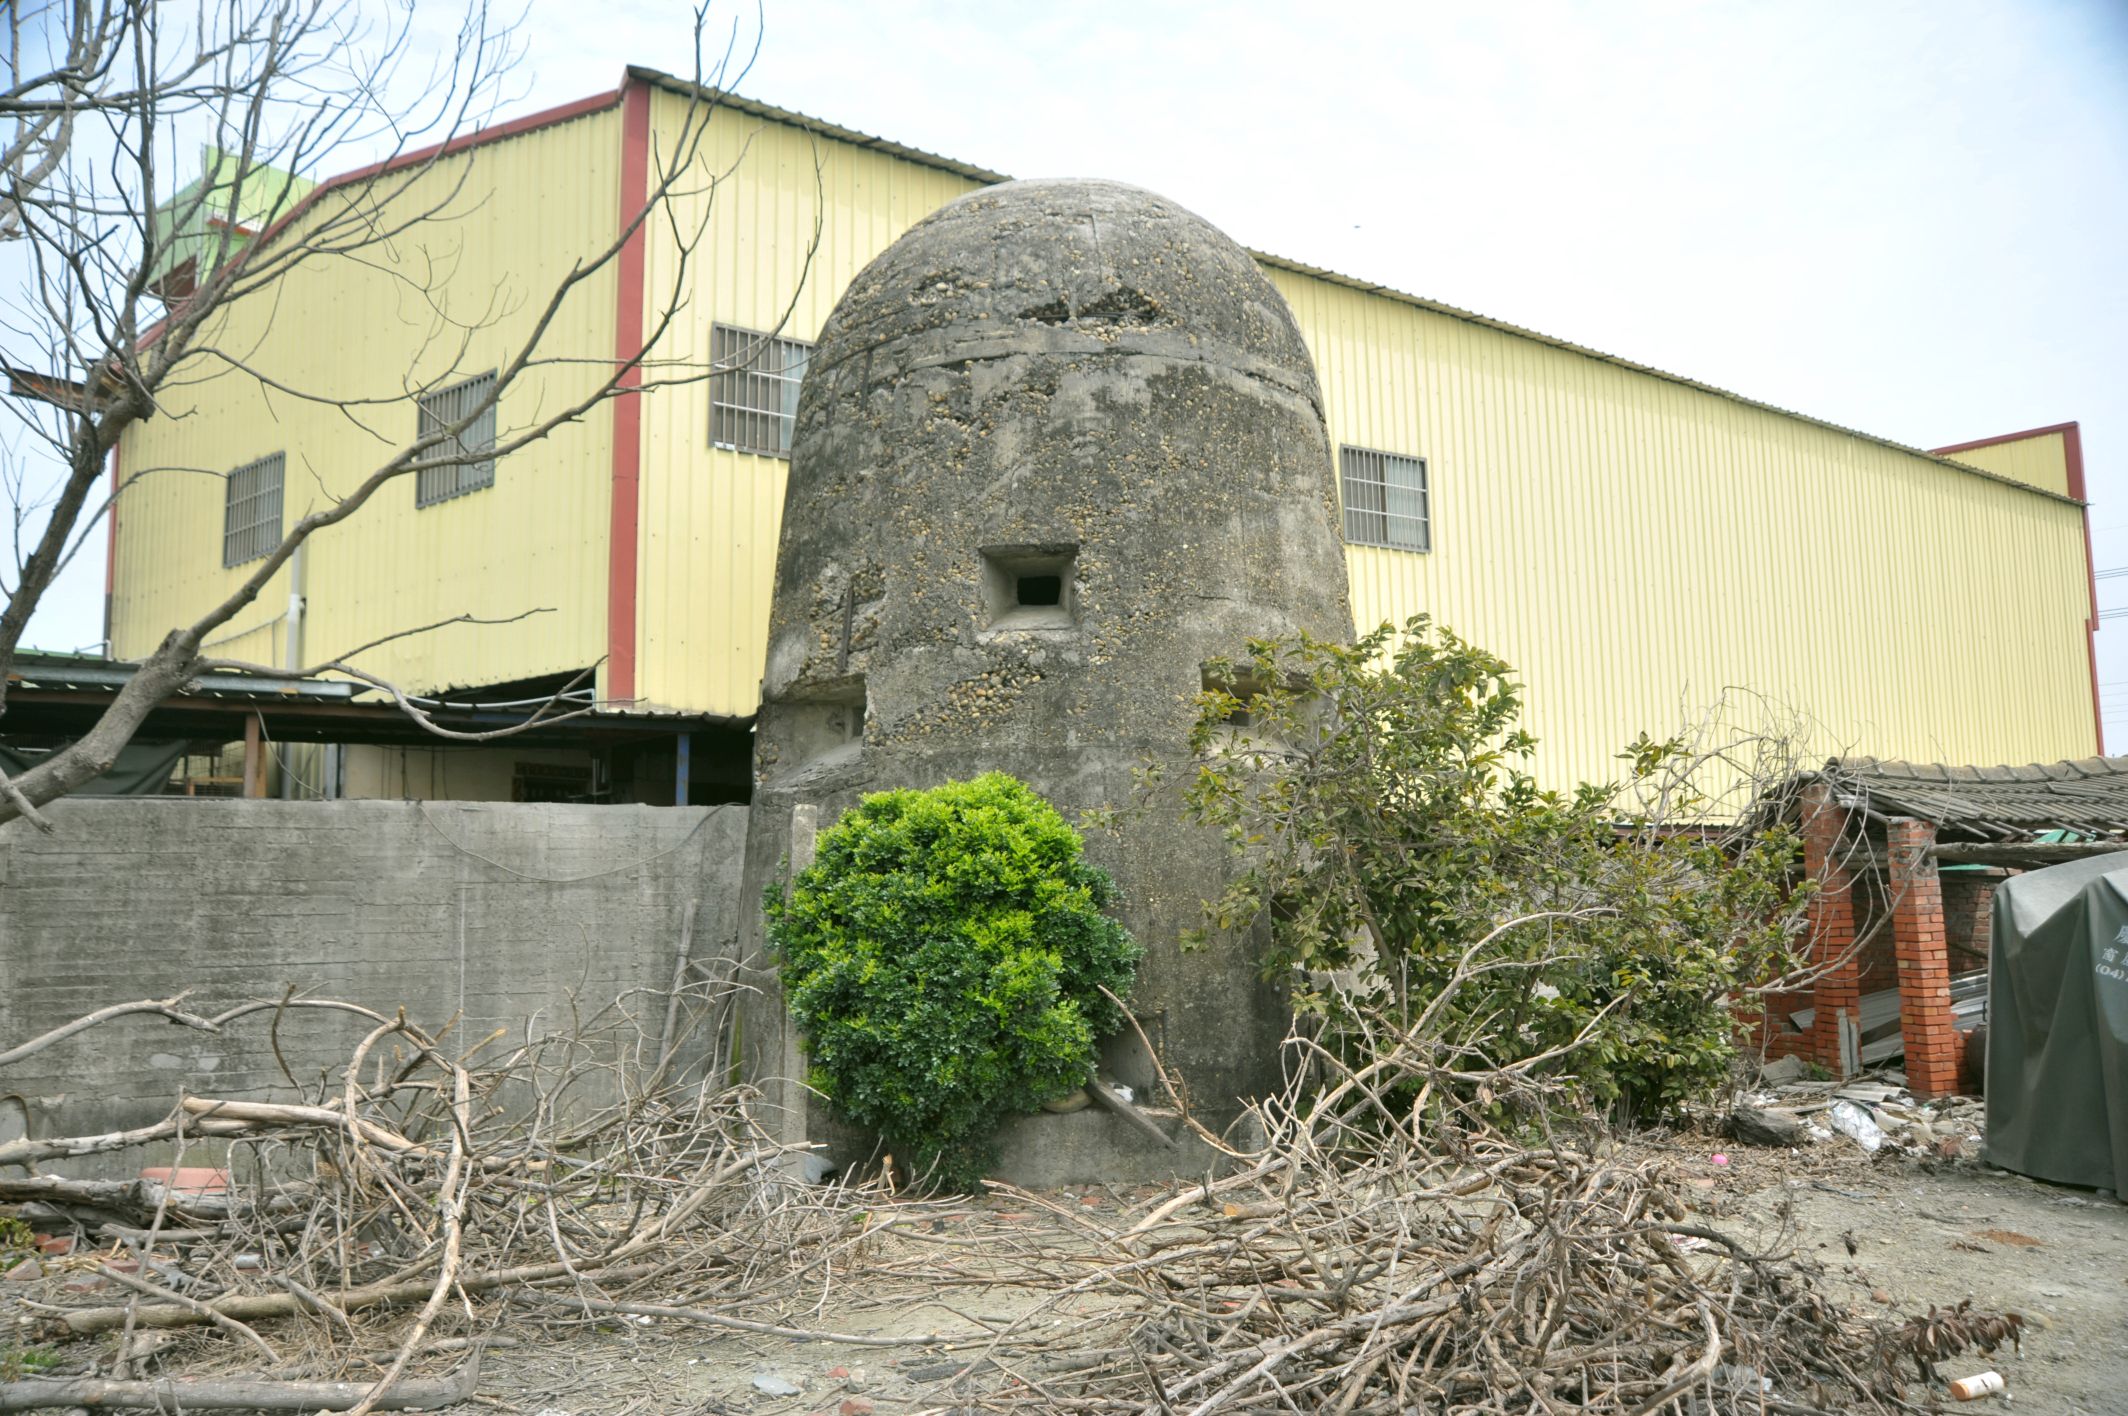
{"type": "Point", "coordinates": [1908, 218]}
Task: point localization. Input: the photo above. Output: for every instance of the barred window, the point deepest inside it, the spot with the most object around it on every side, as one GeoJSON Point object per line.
{"type": "Point", "coordinates": [753, 396]}
{"type": "Point", "coordinates": [441, 410]}
{"type": "Point", "coordinates": [544, 781]}
{"type": "Point", "coordinates": [251, 510]}
{"type": "Point", "coordinates": [1386, 501]}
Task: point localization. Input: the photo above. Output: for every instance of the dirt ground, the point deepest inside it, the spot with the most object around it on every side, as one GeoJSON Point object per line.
{"type": "Point", "coordinates": [1930, 1232]}
{"type": "Point", "coordinates": [1926, 1232]}
{"type": "Point", "coordinates": [934, 1282]}
{"type": "Point", "coordinates": [2059, 1257]}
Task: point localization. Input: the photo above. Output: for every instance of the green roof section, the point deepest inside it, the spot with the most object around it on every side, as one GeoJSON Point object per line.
{"type": "Point", "coordinates": [231, 201]}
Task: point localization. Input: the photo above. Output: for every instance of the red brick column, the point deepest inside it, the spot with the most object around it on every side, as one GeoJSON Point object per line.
{"type": "Point", "coordinates": [1832, 924]}
{"type": "Point", "coordinates": [1932, 1044]}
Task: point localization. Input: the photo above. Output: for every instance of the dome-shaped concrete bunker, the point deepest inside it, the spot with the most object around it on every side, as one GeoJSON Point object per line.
{"type": "Point", "coordinates": [1057, 447]}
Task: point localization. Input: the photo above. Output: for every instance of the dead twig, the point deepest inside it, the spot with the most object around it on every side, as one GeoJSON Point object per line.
{"type": "Point", "coordinates": [257, 1394]}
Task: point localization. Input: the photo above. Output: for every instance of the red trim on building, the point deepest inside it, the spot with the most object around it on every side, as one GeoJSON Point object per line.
{"type": "Point", "coordinates": [2072, 436]}
{"type": "Point", "coordinates": [627, 405]}
{"type": "Point", "coordinates": [2073, 455]}
{"type": "Point", "coordinates": [2098, 711]}
{"type": "Point", "coordinates": [545, 118]}
{"type": "Point", "coordinates": [2066, 429]}
{"type": "Point", "coordinates": [479, 137]}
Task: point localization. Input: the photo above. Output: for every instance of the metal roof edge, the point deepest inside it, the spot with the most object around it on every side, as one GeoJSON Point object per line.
{"type": "Point", "coordinates": [982, 174]}
{"type": "Point", "coordinates": [37, 671]}
{"type": "Point", "coordinates": [870, 142]}
{"type": "Point", "coordinates": [34, 671]}
{"type": "Point", "coordinates": [724, 98]}
{"type": "Point", "coordinates": [2000, 438]}
{"type": "Point", "coordinates": [1486, 321]}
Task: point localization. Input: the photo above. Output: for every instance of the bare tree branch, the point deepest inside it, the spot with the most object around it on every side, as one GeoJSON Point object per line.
{"type": "Point", "coordinates": [135, 302]}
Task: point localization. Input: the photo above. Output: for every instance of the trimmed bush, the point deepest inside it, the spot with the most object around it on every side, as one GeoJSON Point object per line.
{"type": "Point", "coordinates": [944, 957]}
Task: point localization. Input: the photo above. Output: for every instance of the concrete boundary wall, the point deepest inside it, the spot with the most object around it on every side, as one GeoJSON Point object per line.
{"type": "Point", "coordinates": [504, 913]}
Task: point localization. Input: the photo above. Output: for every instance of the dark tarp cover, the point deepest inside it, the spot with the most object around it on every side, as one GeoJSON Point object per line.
{"type": "Point", "coordinates": [2058, 1024]}
{"type": "Point", "coordinates": [142, 768]}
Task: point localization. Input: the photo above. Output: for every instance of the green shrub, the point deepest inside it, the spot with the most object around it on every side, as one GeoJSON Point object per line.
{"type": "Point", "coordinates": [944, 957]}
{"type": "Point", "coordinates": [1385, 822]}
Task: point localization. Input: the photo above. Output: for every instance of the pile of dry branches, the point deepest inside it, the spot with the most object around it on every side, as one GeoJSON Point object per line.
{"type": "Point", "coordinates": [416, 1178]}
{"type": "Point", "coordinates": [1390, 1249]}
{"type": "Point", "coordinates": [1502, 1280]}
{"type": "Point", "coordinates": [1403, 1236]}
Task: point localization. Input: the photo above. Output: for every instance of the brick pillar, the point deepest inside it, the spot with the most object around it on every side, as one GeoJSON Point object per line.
{"type": "Point", "coordinates": [1832, 924]}
{"type": "Point", "coordinates": [1932, 1043]}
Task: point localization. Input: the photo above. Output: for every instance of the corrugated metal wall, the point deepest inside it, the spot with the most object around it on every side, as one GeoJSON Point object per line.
{"type": "Point", "coordinates": [711, 516]}
{"type": "Point", "coordinates": [2040, 461]}
{"type": "Point", "coordinates": [365, 330]}
{"type": "Point", "coordinates": [1634, 547]}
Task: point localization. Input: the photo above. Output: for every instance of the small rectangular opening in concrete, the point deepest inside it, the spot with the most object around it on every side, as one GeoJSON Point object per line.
{"type": "Point", "coordinates": [826, 727]}
{"type": "Point", "coordinates": [1238, 684]}
{"type": "Point", "coordinates": [1030, 587]}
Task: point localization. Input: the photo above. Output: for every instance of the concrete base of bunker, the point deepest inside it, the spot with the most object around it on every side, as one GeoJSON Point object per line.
{"type": "Point", "coordinates": [1095, 1148]}
{"type": "Point", "coordinates": [1086, 1147]}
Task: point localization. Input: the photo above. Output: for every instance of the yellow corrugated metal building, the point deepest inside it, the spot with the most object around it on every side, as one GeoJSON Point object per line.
{"type": "Point", "coordinates": [342, 341]}
{"type": "Point", "coordinates": [1633, 542]}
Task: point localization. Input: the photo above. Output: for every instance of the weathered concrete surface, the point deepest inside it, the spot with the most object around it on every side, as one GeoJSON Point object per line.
{"type": "Point", "coordinates": [497, 911]}
{"type": "Point", "coordinates": [1059, 445]}
{"type": "Point", "coordinates": [1093, 1147]}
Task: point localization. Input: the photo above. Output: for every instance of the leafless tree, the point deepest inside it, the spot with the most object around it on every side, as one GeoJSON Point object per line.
{"type": "Point", "coordinates": [58, 68]}
{"type": "Point", "coordinates": [112, 305]}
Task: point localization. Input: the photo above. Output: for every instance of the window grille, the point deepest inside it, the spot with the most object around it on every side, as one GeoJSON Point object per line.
{"type": "Point", "coordinates": [753, 396]}
{"type": "Point", "coordinates": [545, 781]}
{"type": "Point", "coordinates": [441, 410]}
{"type": "Point", "coordinates": [251, 510]}
{"type": "Point", "coordinates": [1386, 502]}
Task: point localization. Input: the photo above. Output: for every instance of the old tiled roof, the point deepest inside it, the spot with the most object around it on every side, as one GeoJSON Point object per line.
{"type": "Point", "coordinates": [2088, 796]}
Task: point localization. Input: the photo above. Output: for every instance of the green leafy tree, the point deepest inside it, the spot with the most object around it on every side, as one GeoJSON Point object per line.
{"type": "Point", "coordinates": [944, 957]}
{"type": "Point", "coordinates": [1415, 876]}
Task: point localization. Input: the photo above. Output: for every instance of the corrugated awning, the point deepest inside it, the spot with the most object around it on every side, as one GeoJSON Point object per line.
{"type": "Point", "coordinates": [62, 695]}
